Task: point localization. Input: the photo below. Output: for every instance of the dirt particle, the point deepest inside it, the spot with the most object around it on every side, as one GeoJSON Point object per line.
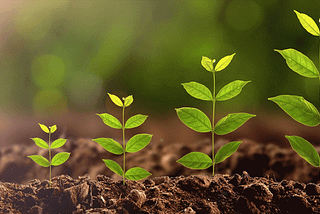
{"type": "Point", "coordinates": [139, 197]}
{"type": "Point", "coordinates": [258, 192]}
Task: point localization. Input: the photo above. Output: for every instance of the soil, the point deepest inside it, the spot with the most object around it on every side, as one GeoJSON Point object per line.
{"type": "Point", "coordinates": [263, 176]}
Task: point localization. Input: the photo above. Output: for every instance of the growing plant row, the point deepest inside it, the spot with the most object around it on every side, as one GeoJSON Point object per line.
{"type": "Point", "coordinates": [295, 106]}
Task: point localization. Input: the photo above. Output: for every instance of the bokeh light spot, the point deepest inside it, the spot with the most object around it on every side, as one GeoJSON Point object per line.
{"type": "Point", "coordinates": [243, 14]}
{"type": "Point", "coordinates": [48, 71]}
{"type": "Point", "coordinates": [49, 102]}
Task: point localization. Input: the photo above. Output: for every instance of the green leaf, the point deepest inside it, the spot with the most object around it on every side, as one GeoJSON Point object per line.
{"type": "Point", "coordinates": [207, 63]}
{"type": "Point", "coordinates": [226, 151]}
{"type": "Point", "coordinates": [113, 166]}
{"type": "Point", "coordinates": [110, 145]}
{"type": "Point", "coordinates": [196, 160]}
{"type": "Point", "coordinates": [194, 119]}
{"type": "Point", "coordinates": [53, 128]}
{"type": "Point", "coordinates": [224, 62]}
{"type": "Point", "coordinates": [137, 173]}
{"type": "Point", "coordinates": [231, 122]}
{"type": "Point", "coordinates": [110, 120]}
{"type": "Point", "coordinates": [138, 142]}
{"type": "Point", "coordinates": [40, 160]}
{"type": "Point", "coordinates": [58, 143]}
{"type": "Point", "coordinates": [299, 63]}
{"type": "Point", "coordinates": [60, 158]}
{"type": "Point", "coordinates": [304, 149]}
{"type": "Point", "coordinates": [231, 90]}
{"type": "Point", "coordinates": [128, 100]}
{"type": "Point", "coordinates": [308, 23]}
{"type": "Point", "coordinates": [135, 121]}
{"type": "Point", "coordinates": [116, 100]}
{"type": "Point", "coordinates": [41, 143]}
{"type": "Point", "coordinates": [298, 108]}
{"type": "Point", "coordinates": [198, 90]}
{"type": "Point", "coordinates": [44, 128]}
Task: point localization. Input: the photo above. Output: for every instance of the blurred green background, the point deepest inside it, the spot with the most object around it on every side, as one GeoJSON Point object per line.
{"type": "Point", "coordinates": [61, 56]}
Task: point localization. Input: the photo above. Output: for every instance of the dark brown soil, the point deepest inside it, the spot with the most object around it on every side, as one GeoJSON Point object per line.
{"type": "Point", "coordinates": [281, 182]}
{"type": "Point", "coordinates": [192, 194]}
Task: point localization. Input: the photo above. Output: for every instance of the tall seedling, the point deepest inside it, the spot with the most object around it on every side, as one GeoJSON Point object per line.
{"type": "Point", "coordinates": [296, 106]}
{"type": "Point", "coordinates": [135, 144]}
{"type": "Point", "coordinates": [198, 121]}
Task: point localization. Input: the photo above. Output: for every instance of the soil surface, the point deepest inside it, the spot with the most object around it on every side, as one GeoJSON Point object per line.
{"type": "Point", "coordinates": [192, 194]}
{"type": "Point", "coordinates": [281, 182]}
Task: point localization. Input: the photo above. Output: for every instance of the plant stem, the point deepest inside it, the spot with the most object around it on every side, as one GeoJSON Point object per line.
{"type": "Point", "coordinates": [50, 158]}
{"type": "Point", "coordinates": [124, 146]}
{"type": "Point", "coordinates": [213, 114]}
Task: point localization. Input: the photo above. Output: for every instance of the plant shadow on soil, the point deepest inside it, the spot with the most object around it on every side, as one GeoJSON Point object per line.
{"type": "Point", "coordinates": [263, 176]}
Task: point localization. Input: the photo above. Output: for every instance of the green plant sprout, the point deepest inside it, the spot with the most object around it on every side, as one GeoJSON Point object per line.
{"type": "Point", "coordinates": [296, 106]}
{"type": "Point", "coordinates": [134, 144]}
{"type": "Point", "coordinates": [58, 159]}
{"type": "Point", "coordinates": [198, 121]}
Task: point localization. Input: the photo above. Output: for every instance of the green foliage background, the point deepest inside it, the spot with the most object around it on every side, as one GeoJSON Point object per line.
{"type": "Point", "coordinates": [59, 56]}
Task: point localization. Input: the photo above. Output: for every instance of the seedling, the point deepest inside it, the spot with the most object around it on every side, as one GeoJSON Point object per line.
{"type": "Point", "coordinates": [135, 144]}
{"type": "Point", "coordinates": [296, 106]}
{"type": "Point", "coordinates": [198, 121]}
{"type": "Point", "coordinates": [58, 159]}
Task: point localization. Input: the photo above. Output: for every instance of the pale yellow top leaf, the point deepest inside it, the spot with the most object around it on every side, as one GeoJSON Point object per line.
{"type": "Point", "coordinates": [116, 100]}
{"type": "Point", "coordinates": [44, 128]}
{"type": "Point", "coordinates": [53, 128]}
{"type": "Point", "coordinates": [224, 62]}
{"type": "Point", "coordinates": [308, 23]}
{"type": "Point", "coordinates": [207, 63]}
{"type": "Point", "coordinates": [128, 100]}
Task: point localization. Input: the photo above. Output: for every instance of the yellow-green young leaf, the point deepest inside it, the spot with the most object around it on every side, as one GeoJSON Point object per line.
{"type": "Point", "coordinates": [137, 173]}
{"type": "Point", "coordinates": [128, 100]}
{"type": "Point", "coordinates": [196, 160]}
{"type": "Point", "coordinates": [224, 62]}
{"type": "Point", "coordinates": [113, 166]}
{"type": "Point", "coordinates": [53, 128]}
{"type": "Point", "coordinates": [308, 23]}
{"type": "Point", "coordinates": [138, 142]}
{"type": "Point", "coordinates": [116, 100]}
{"type": "Point", "coordinates": [110, 120]}
{"type": "Point", "coordinates": [198, 90]}
{"type": "Point", "coordinates": [226, 151]}
{"type": "Point", "coordinates": [135, 121]}
{"type": "Point", "coordinates": [40, 160]}
{"type": "Point", "coordinates": [298, 108]}
{"type": "Point", "coordinates": [231, 90]}
{"type": "Point", "coordinates": [58, 143]}
{"type": "Point", "coordinates": [194, 119]}
{"type": "Point", "coordinates": [41, 143]}
{"type": "Point", "coordinates": [231, 122]}
{"type": "Point", "coordinates": [299, 63]}
{"type": "Point", "coordinates": [207, 63]}
{"type": "Point", "coordinates": [110, 145]}
{"type": "Point", "coordinates": [44, 128]}
{"type": "Point", "coordinates": [60, 158]}
{"type": "Point", "coordinates": [304, 149]}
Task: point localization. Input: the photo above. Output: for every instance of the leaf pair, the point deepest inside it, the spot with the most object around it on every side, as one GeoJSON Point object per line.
{"type": "Point", "coordinates": [58, 159]}
{"type": "Point", "coordinates": [199, 160]}
{"type": "Point", "coordinates": [296, 106]}
{"type": "Point", "coordinates": [198, 121]}
{"type": "Point", "coordinates": [135, 144]}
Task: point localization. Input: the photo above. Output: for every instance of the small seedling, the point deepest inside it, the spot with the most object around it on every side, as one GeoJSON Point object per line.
{"type": "Point", "coordinates": [296, 106]}
{"type": "Point", "coordinates": [58, 159]}
{"type": "Point", "coordinates": [198, 121]}
{"type": "Point", "coordinates": [135, 144]}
